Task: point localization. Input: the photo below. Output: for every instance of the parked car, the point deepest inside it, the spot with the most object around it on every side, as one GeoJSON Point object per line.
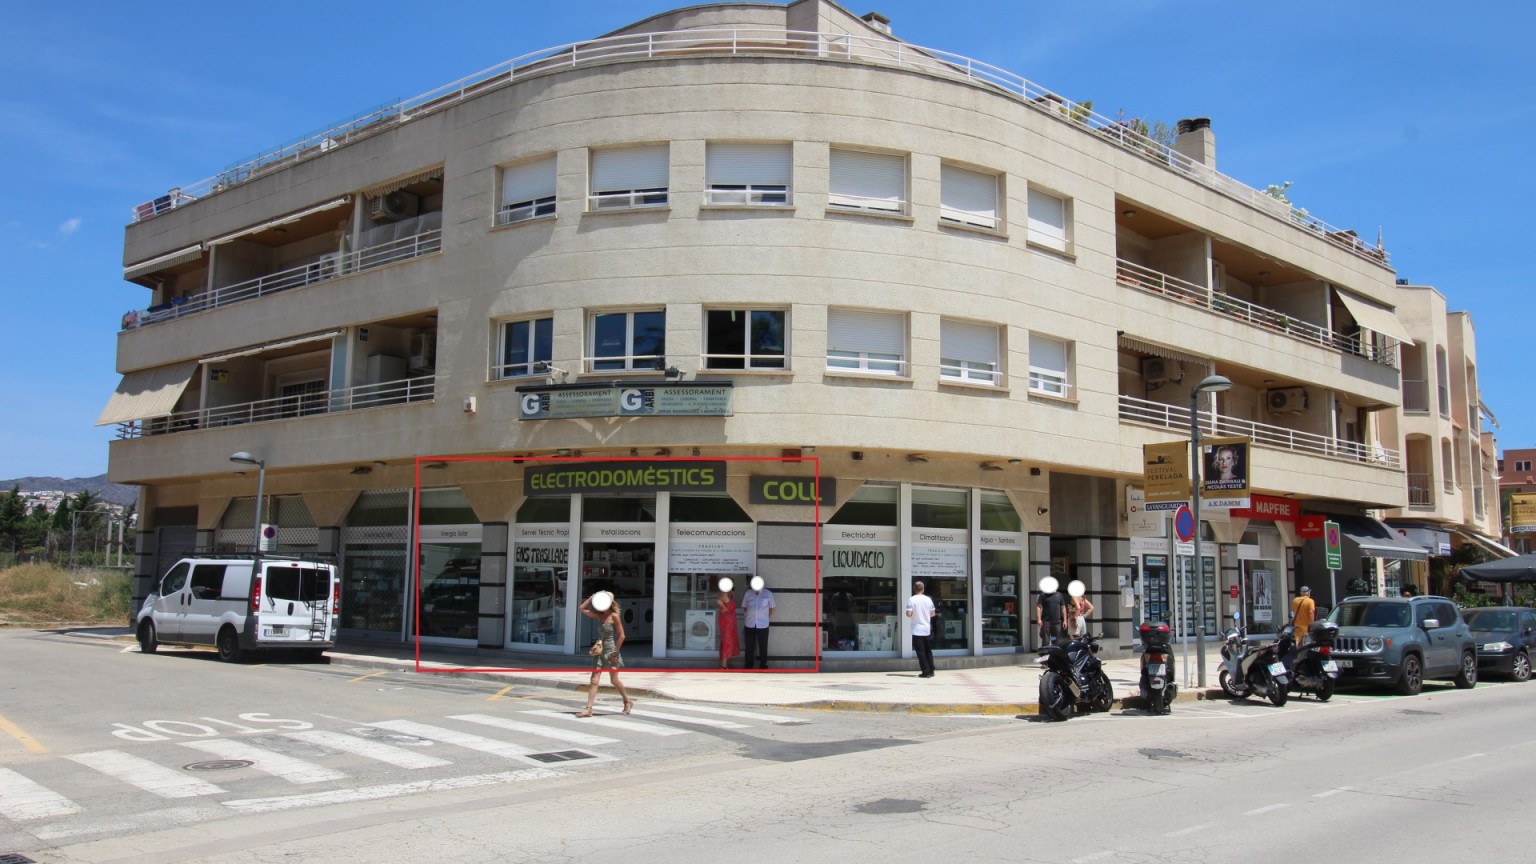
{"type": "Point", "coordinates": [1506, 638]}
{"type": "Point", "coordinates": [1401, 641]}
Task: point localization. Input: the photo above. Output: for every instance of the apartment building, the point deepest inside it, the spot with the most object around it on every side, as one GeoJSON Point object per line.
{"type": "Point", "coordinates": [1516, 477]}
{"type": "Point", "coordinates": [753, 289]}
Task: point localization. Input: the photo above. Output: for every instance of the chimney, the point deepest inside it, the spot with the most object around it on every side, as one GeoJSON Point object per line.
{"type": "Point", "coordinates": [1196, 141]}
{"type": "Point", "coordinates": [879, 22]}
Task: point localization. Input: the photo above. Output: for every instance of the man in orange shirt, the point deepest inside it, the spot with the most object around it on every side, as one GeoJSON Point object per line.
{"type": "Point", "coordinates": [1303, 610]}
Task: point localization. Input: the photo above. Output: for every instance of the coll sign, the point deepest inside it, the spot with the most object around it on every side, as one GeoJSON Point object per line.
{"type": "Point", "coordinates": [794, 491]}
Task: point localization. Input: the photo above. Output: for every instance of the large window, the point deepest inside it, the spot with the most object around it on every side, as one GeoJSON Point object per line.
{"type": "Point", "coordinates": [629, 177]}
{"type": "Point", "coordinates": [867, 181]}
{"type": "Point", "coordinates": [860, 571]}
{"type": "Point", "coordinates": [524, 344]}
{"type": "Point", "coordinates": [527, 191]}
{"type": "Point", "coordinates": [968, 197]}
{"type": "Point", "coordinates": [1048, 365]}
{"type": "Point", "coordinates": [968, 352]}
{"type": "Point", "coordinates": [859, 341]}
{"type": "Point", "coordinates": [1049, 220]}
{"type": "Point", "coordinates": [749, 174]}
{"type": "Point", "coordinates": [627, 341]}
{"type": "Point", "coordinates": [744, 339]}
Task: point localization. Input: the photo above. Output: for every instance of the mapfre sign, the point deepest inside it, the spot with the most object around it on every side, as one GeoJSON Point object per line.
{"type": "Point", "coordinates": [1269, 507]}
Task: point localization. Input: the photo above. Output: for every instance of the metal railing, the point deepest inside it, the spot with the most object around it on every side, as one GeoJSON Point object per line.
{"type": "Point", "coordinates": [362, 396]}
{"type": "Point", "coordinates": [841, 47]}
{"type": "Point", "coordinates": [328, 267]}
{"type": "Point", "coordinates": [1415, 395]}
{"type": "Point", "coordinates": [1176, 417]}
{"type": "Point", "coordinates": [1421, 489]}
{"type": "Point", "coordinates": [1146, 279]}
{"type": "Point", "coordinates": [749, 195]}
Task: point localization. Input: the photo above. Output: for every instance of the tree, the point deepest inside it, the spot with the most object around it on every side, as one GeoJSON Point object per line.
{"type": "Point", "coordinates": [13, 515]}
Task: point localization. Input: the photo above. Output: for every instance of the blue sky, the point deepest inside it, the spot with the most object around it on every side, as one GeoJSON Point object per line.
{"type": "Point", "coordinates": [1405, 116]}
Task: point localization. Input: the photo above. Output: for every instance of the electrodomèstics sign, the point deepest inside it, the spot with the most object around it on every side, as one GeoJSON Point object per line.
{"type": "Point", "coordinates": [579, 478]}
{"type": "Point", "coordinates": [676, 399]}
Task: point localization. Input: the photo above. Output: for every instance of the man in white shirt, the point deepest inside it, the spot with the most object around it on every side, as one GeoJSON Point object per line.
{"type": "Point", "coordinates": [756, 611]}
{"type": "Point", "coordinates": [920, 610]}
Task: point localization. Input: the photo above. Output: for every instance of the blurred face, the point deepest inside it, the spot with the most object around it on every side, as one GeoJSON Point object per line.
{"type": "Point", "coordinates": [1226, 460]}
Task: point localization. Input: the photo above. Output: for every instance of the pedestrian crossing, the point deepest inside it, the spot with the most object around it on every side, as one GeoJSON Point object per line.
{"type": "Point", "coordinates": [284, 770]}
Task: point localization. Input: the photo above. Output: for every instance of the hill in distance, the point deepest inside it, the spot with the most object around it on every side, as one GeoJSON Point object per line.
{"type": "Point", "coordinates": [115, 493]}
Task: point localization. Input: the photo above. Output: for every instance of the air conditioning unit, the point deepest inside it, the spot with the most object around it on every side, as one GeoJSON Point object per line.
{"type": "Point", "coordinates": [1287, 400]}
{"type": "Point", "coordinates": [398, 204]}
{"type": "Point", "coordinates": [1156, 370]}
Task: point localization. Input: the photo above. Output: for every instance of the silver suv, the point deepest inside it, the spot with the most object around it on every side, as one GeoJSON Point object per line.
{"type": "Point", "coordinates": [1403, 640]}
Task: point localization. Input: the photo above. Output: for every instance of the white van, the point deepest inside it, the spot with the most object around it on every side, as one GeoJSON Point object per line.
{"type": "Point", "coordinates": [291, 604]}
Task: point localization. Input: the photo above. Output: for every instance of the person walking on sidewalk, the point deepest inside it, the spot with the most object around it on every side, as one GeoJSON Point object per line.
{"type": "Point", "coordinates": [756, 612]}
{"type": "Point", "coordinates": [611, 631]}
{"type": "Point", "coordinates": [920, 610]}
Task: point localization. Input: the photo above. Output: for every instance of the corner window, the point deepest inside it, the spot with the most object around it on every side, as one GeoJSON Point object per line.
{"type": "Point", "coordinates": [629, 177]}
{"type": "Point", "coordinates": [1049, 220]}
{"type": "Point", "coordinates": [968, 352]}
{"type": "Point", "coordinates": [859, 341]}
{"type": "Point", "coordinates": [1048, 358]}
{"type": "Point", "coordinates": [744, 339]}
{"type": "Point", "coordinates": [867, 181]}
{"type": "Point", "coordinates": [968, 197]}
{"type": "Point", "coordinates": [523, 344]}
{"type": "Point", "coordinates": [1522, 464]}
{"type": "Point", "coordinates": [627, 341]}
{"type": "Point", "coordinates": [747, 174]}
{"type": "Point", "coordinates": [527, 191]}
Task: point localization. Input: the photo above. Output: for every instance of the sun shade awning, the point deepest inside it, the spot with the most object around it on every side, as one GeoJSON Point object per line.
{"type": "Point", "coordinates": [402, 182]}
{"type": "Point", "coordinates": [270, 346]}
{"type": "Point", "coordinates": [1496, 548]}
{"type": "Point", "coordinates": [281, 220]}
{"type": "Point", "coordinates": [144, 268]}
{"type": "Point", "coordinates": [1156, 350]}
{"type": "Point", "coordinates": [1377, 319]}
{"type": "Point", "coordinates": [1377, 540]}
{"type": "Point", "coordinates": [147, 393]}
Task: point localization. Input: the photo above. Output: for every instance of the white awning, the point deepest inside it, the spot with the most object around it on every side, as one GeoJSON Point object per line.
{"type": "Point", "coordinates": [270, 346]}
{"type": "Point", "coordinates": [1155, 350]}
{"type": "Point", "coordinates": [1377, 319]}
{"type": "Point", "coordinates": [1483, 406]}
{"type": "Point", "coordinates": [281, 220]}
{"type": "Point", "coordinates": [170, 259]}
{"type": "Point", "coordinates": [402, 182]}
{"type": "Point", "coordinates": [1492, 545]}
{"type": "Point", "coordinates": [147, 393]}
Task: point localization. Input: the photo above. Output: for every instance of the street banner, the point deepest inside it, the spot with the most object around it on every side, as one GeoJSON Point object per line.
{"type": "Point", "coordinates": [1224, 466]}
{"type": "Point", "coordinates": [1165, 476]}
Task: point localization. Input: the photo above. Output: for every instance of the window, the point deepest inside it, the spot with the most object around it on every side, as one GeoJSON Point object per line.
{"type": "Point", "coordinates": [1048, 365]}
{"type": "Point", "coordinates": [868, 181]}
{"type": "Point", "coordinates": [744, 339]}
{"type": "Point", "coordinates": [968, 352]}
{"type": "Point", "coordinates": [1522, 464]}
{"type": "Point", "coordinates": [1049, 216]}
{"type": "Point", "coordinates": [527, 191]}
{"type": "Point", "coordinates": [968, 197]}
{"type": "Point", "coordinates": [303, 398]}
{"type": "Point", "coordinates": [1443, 380]}
{"type": "Point", "coordinates": [627, 341]}
{"type": "Point", "coordinates": [866, 341]}
{"type": "Point", "coordinates": [523, 344]}
{"type": "Point", "coordinates": [629, 177]}
{"type": "Point", "coordinates": [748, 174]}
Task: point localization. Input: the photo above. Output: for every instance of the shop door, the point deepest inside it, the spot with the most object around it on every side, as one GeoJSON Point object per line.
{"type": "Point", "coordinates": [625, 570]}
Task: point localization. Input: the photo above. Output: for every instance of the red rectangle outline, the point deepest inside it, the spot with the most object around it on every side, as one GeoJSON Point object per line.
{"type": "Point", "coordinates": [416, 558]}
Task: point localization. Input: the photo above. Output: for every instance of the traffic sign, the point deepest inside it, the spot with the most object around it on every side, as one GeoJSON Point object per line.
{"type": "Point", "coordinates": [1233, 592]}
{"type": "Point", "coordinates": [1184, 524]}
{"type": "Point", "coordinates": [1331, 542]}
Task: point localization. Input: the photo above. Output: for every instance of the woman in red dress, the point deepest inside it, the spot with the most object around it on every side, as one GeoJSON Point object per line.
{"type": "Point", "coordinates": [725, 619]}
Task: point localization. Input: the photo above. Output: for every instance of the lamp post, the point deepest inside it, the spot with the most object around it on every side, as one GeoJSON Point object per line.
{"type": "Point", "coordinates": [245, 458]}
{"type": "Point", "coordinates": [1212, 384]}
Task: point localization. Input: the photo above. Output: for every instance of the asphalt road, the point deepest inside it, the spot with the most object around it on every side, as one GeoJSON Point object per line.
{"type": "Point", "coordinates": [108, 756]}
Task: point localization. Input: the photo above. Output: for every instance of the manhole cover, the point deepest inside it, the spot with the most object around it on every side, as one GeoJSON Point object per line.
{"type": "Point", "coordinates": [561, 756]}
{"type": "Point", "coordinates": [15, 858]}
{"type": "Point", "coordinates": [219, 765]}
{"type": "Point", "coordinates": [1158, 753]}
{"type": "Point", "coordinates": [890, 805]}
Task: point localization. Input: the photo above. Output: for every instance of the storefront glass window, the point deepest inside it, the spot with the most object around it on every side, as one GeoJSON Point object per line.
{"type": "Point", "coordinates": [375, 544]}
{"type": "Point", "coordinates": [859, 573]}
{"type": "Point", "coordinates": [711, 538]}
{"type": "Point", "coordinates": [449, 566]}
{"type": "Point", "coordinates": [540, 570]}
{"type": "Point", "coordinates": [624, 568]}
{"type": "Point", "coordinates": [1002, 566]}
{"type": "Point", "coordinates": [941, 558]}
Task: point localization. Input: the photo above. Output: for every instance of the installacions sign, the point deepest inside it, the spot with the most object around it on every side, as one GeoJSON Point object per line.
{"type": "Point", "coordinates": [587, 478]}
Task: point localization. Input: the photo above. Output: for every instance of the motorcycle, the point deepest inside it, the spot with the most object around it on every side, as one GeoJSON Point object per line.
{"type": "Point", "coordinates": [1158, 689]}
{"type": "Point", "coordinates": [1248, 671]}
{"type": "Point", "coordinates": [1073, 677]}
{"type": "Point", "coordinates": [1313, 668]}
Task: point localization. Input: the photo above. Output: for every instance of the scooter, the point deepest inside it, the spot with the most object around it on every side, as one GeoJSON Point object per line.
{"type": "Point", "coordinates": [1158, 689]}
{"type": "Point", "coordinates": [1313, 669]}
{"type": "Point", "coordinates": [1249, 671]}
{"type": "Point", "coordinates": [1072, 677]}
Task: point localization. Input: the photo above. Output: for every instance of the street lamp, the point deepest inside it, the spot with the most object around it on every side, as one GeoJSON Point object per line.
{"type": "Point", "coordinates": [245, 458]}
{"type": "Point", "coordinates": [1212, 384]}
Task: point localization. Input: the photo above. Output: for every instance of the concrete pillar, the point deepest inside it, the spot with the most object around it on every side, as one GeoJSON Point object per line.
{"type": "Point", "coordinates": [493, 584]}
{"type": "Point", "coordinates": [786, 560]}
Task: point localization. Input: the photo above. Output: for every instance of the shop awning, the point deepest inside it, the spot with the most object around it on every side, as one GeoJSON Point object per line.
{"type": "Point", "coordinates": [1377, 540]}
{"type": "Point", "coordinates": [147, 393]}
{"type": "Point", "coordinates": [1155, 350]}
{"type": "Point", "coordinates": [1377, 319]}
{"type": "Point", "coordinates": [1497, 549]}
{"type": "Point", "coordinates": [271, 346]}
{"type": "Point", "coordinates": [1435, 541]}
{"type": "Point", "coordinates": [281, 220]}
{"type": "Point", "coordinates": [144, 268]}
{"type": "Point", "coordinates": [401, 182]}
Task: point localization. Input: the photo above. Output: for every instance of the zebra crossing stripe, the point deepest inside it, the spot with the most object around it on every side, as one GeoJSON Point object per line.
{"type": "Point", "coordinates": [288, 768]}
{"type": "Point", "coordinates": [614, 722]}
{"type": "Point", "coordinates": [22, 799]}
{"type": "Point", "coordinates": [732, 712]}
{"type": "Point", "coordinates": [458, 739]}
{"type": "Point", "coordinates": [149, 776]}
{"type": "Point", "coordinates": [394, 790]}
{"type": "Point", "coordinates": [567, 736]}
{"type": "Point", "coordinates": [396, 756]}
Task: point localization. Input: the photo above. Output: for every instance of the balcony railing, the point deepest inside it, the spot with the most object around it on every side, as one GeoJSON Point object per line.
{"type": "Point", "coordinates": [1421, 489]}
{"type": "Point", "coordinates": [1415, 395]}
{"type": "Point", "coordinates": [362, 396]}
{"type": "Point", "coordinates": [328, 267]}
{"type": "Point", "coordinates": [1134, 275]}
{"type": "Point", "coordinates": [758, 42]}
{"type": "Point", "coordinates": [1175, 417]}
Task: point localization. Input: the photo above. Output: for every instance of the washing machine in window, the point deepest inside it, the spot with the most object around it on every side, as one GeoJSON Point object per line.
{"type": "Point", "coordinates": [638, 614]}
{"type": "Point", "coordinates": [699, 629]}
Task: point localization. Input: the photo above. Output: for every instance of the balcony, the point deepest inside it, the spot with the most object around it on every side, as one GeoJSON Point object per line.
{"type": "Point", "coordinates": [1415, 396]}
{"type": "Point", "coordinates": [1174, 289]}
{"type": "Point", "coordinates": [1421, 489]}
{"type": "Point", "coordinates": [1176, 418]}
{"type": "Point", "coordinates": [403, 392]}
